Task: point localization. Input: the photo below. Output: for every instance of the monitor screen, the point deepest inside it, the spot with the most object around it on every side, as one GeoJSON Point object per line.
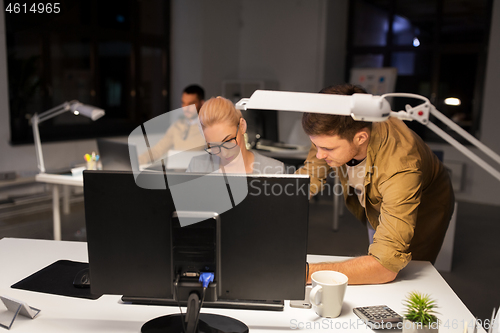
{"type": "Point", "coordinates": [261, 124]}
{"type": "Point", "coordinates": [137, 246]}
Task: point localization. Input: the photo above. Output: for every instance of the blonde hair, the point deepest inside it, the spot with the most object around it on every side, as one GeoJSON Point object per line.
{"type": "Point", "coordinates": [217, 110]}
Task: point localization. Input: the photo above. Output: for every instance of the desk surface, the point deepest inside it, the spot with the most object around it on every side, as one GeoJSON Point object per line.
{"type": "Point", "coordinates": [22, 257]}
{"type": "Point", "coordinates": [60, 179]}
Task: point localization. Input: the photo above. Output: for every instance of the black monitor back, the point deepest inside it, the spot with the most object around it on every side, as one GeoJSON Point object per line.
{"type": "Point", "coordinates": [263, 240]}
{"type": "Point", "coordinates": [118, 156]}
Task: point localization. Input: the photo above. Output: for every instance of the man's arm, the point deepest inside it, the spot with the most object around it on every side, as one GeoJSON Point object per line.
{"type": "Point", "coordinates": [360, 270]}
{"type": "Point", "coordinates": [397, 219]}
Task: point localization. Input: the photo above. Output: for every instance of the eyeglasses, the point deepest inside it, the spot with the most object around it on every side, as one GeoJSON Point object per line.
{"type": "Point", "coordinates": [228, 144]}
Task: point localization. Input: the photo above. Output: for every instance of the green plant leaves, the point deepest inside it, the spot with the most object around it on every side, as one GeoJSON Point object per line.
{"type": "Point", "coordinates": [420, 308]}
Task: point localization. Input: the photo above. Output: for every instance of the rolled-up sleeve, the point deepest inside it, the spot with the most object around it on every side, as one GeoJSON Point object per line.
{"type": "Point", "coordinates": [316, 169]}
{"type": "Point", "coordinates": [401, 196]}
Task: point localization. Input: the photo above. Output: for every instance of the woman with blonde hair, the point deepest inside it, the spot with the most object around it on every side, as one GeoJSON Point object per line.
{"type": "Point", "coordinates": [224, 128]}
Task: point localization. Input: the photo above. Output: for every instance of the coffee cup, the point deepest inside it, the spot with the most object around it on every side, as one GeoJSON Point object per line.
{"type": "Point", "coordinates": [327, 293]}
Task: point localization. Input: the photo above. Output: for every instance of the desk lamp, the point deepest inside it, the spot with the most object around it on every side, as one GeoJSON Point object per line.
{"type": "Point", "coordinates": [366, 107]}
{"type": "Point", "coordinates": [74, 106]}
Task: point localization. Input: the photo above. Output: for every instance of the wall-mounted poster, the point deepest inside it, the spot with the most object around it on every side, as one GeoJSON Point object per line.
{"type": "Point", "coordinates": [376, 81]}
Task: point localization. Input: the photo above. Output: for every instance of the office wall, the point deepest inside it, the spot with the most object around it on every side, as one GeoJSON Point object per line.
{"type": "Point", "coordinates": [205, 44]}
{"type": "Point", "coordinates": [186, 47]}
{"type": "Point", "coordinates": [491, 107]}
{"type": "Point", "coordinates": [284, 41]}
{"type": "Point", "coordinates": [485, 187]}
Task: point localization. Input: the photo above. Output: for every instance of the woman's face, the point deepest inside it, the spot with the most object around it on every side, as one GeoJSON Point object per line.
{"type": "Point", "coordinates": [227, 136]}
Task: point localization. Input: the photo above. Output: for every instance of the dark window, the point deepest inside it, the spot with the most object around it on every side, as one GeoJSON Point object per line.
{"type": "Point", "coordinates": [438, 46]}
{"type": "Point", "coordinates": [110, 54]}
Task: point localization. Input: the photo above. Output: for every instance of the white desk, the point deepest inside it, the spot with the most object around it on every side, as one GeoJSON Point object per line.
{"type": "Point", "coordinates": [20, 258]}
{"type": "Point", "coordinates": [57, 180]}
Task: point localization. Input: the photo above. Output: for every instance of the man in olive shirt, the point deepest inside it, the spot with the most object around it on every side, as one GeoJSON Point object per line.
{"type": "Point", "coordinates": [390, 179]}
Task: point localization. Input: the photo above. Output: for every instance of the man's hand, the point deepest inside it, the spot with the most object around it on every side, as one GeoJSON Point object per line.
{"type": "Point", "coordinates": [360, 270]}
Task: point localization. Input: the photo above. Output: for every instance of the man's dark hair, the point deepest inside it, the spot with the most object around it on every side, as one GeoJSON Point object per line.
{"type": "Point", "coordinates": [195, 89]}
{"type": "Point", "coordinates": [326, 124]}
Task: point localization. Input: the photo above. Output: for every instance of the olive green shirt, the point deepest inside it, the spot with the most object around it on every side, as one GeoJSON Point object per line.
{"type": "Point", "coordinates": [408, 194]}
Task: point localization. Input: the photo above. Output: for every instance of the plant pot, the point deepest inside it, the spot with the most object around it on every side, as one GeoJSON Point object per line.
{"type": "Point", "coordinates": [411, 327]}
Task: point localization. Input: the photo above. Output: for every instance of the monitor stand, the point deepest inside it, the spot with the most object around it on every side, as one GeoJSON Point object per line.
{"type": "Point", "coordinates": [207, 323]}
{"type": "Point", "coordinates": [219, 303]}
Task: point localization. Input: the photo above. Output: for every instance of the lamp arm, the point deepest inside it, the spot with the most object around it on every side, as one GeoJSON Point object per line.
{"type": "Point", "coordinates": [465, 134]}
{"type": "Point", "coordinates": [464, 150]}
{"type": "Point", "coordinates": [36, 119]}
{"type": "Point", "coordinates": [38, 144]}
{"type": "Point", "coordinates": [55, 111]}
{"type": "Point", "coordinates": [75, 106]}
{"type": "Point", "coordinates": [421, 114]}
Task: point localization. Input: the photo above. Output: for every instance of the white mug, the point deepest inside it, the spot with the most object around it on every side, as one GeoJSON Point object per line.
{"type": "Point", "coordinates": [329, 287]}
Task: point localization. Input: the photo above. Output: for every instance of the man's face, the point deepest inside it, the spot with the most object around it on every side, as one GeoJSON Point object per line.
{"type": "Point", "coordinates": [334, 150]}
{"type": "Point", "coordinates": [189, 99]}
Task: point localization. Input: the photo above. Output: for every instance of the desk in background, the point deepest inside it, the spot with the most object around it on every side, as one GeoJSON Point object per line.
{"type": "Point", "coordinates": [56, 181]}
{"type": "Point", "coordinates": [20, 258]}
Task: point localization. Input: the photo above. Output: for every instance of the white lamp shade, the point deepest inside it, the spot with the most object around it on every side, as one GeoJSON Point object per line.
{"type": "Point", "coordinates": [87, 110]}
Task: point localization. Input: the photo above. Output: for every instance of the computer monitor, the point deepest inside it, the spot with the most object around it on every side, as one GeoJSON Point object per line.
{"type": "Point", "coordinates": [138, 249]}
{"type": "Point", "coordinates": [118, 156]}
{"type": "Point", "coordinates": [262, 124]}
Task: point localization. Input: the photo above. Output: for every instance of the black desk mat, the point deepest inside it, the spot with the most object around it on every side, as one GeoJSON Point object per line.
{"type": "Point", "coordinates": [57, 279]}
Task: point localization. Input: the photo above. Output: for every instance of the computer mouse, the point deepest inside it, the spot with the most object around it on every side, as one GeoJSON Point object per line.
{"type": "Point", "coordinates": [82, 279]}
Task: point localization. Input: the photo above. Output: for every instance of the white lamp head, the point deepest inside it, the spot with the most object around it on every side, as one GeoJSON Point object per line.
{"type": "Point", "coordinates": [363, 107]}
{"type": "Point", "coordinates": [86, 110]}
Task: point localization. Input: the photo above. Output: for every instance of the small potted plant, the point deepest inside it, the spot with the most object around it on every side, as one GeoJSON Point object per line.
{"type": "Point", "coordinates": [420, 315]}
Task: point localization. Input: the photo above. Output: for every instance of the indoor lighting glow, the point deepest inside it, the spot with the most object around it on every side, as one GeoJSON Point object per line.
{"type": "Point", "coordinates": [452, 101]}
{"type": "Point", "coordinates": [416, 42]}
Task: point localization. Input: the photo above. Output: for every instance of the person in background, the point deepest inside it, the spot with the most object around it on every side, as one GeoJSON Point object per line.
{"type": "Point", "coordinates": [224, 128]}
{"type": "Point", "coordinates": [184, 134]}
{"type": "Point", "coordinates": [391, 181]}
